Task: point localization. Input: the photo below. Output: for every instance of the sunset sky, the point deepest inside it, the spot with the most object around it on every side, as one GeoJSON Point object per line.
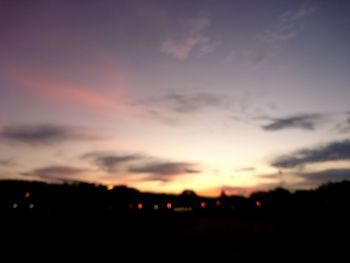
{"type": "Point", "coordinates": [164, 95]}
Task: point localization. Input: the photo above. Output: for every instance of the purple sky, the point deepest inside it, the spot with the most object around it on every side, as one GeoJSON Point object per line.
{"type": "Point", "coordinates": [172, 95]}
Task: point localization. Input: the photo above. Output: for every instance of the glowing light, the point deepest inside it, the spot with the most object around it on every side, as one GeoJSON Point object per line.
{"type": "Point", "coordinates": [31, 206]}
{"type": "Point", "coordinates": [131, 206]}
{"type": "Point", "coordinates": [218, 203]}
{"type": "Point", "coordinates": [15, 205]}
{"type": "Point", "coordinates": [139, 206]}
{"type": "Point", "coordinates": [183, 209]}
{"type": "Point", "coordinates": [155, 207]}
{"type": "Point", "coordinates": [26, 194]}
{"type": "Point", "coordinates": [203, 204]}
{"type": "Point", "coordinates": [169, 205]}
{"type": "Point", "coordinates": [258, 203]}
{"type": "Point", "coordinates": [110, 187]}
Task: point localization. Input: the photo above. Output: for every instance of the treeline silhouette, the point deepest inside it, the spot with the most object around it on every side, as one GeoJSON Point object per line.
{"type": "Point", "coordinates": [175, 228]}
{"type": "Point", "coordinates": [328, 202]}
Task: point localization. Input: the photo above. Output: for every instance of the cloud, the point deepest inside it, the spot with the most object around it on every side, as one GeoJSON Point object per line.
{"type": "Point", "coordinates": [42, 134]}
{"type": "Point", "coordinates": [298, 14]}
{"type": "Point", "coordinates": [131, 164]}
{"type": "Point", "coordinates": [245, 169]}
{"type": "Point", "coordinates": [165, 171]}
{"type": "Point", "coordinates": [210, 47]}
{"type": "Point", "coordinates": [335, 151]}
{"type": "Point", "coordinates": [181, 49]}
{"type": "Point", "coordinates": [343, 126]}
{"type": "Point", "coordinates": [57, 173]}
{"type": "Point", "coordinates": [302, 121]}
{"type": "Point", "coordinates": [7, 162]}
{"type": "Point", "coordinates": [326, 176]}
{"type": "Point", "coordinates": [111, 162]}
{"type": "Point", "coordinates": [64, 92]}
{"type": "Point", "coordinates": [181, 45]}
{"type": "Point", "coordinates": [288, 25]}
{"type": "Point", "coordinates": [187, 102]}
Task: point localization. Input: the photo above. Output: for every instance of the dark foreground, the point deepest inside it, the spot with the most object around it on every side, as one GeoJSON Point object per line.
{"type": "Point", "coordinates": [82, 223]}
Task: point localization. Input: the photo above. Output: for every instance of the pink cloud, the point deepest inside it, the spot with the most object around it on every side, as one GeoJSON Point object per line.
{"type": "Point", "coordinates": [66, 92]}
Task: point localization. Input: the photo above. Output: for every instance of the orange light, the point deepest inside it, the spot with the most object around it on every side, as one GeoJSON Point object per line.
{"type": "Point", "coordinates": [203, 204]}
{"type": "Point", "coordinates": [139, 206]}
{"type": "Point", "coordinates": [258, 203]}
{"type": "Point", "coordinates": [169, 205]}
{"type": "Point", "coordinates": [110, 187]}
{"type": "Point", "coordinates": [27, 194]}
{"type": "Point", "coordinates": [218, 203]}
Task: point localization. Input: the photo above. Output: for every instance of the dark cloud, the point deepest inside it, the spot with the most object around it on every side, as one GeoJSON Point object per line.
{"type": "Point", "coordinates": [56, 173]}
{"type": "Point", "coordinates": [7, 162]}
{"type": "Point", "coordinates": [335, 151]}
{"type": "Point", "coordinates": [155, 168]}
{"type": "Point", "coordinates": [326, 176]}
{"type": "Point", "coordinates": [165, 171]}
{"type": "Point", "coordinates": [344, 126]}
{"type": "Point", "coordinates": [302, 121]}
{"type": "Point", "coordinates": [42, 134]}
{"type": "Point", "coordinates": [187, 102]}
{"type": "Point", "coordinates": [111, 162]}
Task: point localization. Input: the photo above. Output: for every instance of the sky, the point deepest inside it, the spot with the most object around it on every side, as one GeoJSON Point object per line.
{"type": "Point", "coordinates": [209, 95]}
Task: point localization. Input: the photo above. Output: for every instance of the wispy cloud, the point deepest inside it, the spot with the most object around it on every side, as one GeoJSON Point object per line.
{"type": "Point", "coordinates": [344, 125]}
{"type": "Point", "coordinates": [331, 175]}
{"type": "Point", "coordinates": [43, 134]}
{"type": "Point", "coordinates": [288, 25]}
{"type": "Point", "coordinates": [334, 151]}
{"type": "Point", "coordinates": [64, 92]}
{"type": "Point", "coordinates": [7, 162]}
{"type": "Point", "coordinates": [111, 162]}
{"type": "Point", "coordinates": [183, 103]}
{"type": "Point", "coordinates": [301, 121]}
{"type": "Point", "coordinates": [192, 36]}
{"type": "Point", "coordinates": [165, 171]}
{"type": "Point", "coordinates": [298, 14]}
{"type": "Point", "coordinates": [57, 173]}
{"type": "Point", "coordinates": [210, 47]}
{"type": "Point", "coordinates": [155, 169]}
{"type": "Point", "coordinates": [245, 169]}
